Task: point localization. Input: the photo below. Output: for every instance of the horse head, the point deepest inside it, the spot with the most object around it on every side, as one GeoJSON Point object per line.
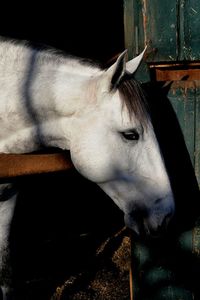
{"type": "Point", "coordinates": [113, 143]}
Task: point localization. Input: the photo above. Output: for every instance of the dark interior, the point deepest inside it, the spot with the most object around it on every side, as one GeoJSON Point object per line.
{"type": "Point", "coordinates": [85, 28]}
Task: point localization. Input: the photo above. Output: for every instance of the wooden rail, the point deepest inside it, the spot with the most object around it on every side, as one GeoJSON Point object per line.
{"type": "Point", "coordinates": [175, 71]}
{"type": "Point", "coordinates": [14, 165]}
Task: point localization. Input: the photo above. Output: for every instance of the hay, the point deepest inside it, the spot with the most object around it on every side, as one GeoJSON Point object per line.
{"type": "Point", "coordinates": [108, 276]}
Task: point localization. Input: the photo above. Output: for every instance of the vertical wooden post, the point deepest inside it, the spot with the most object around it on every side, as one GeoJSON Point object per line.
{"type": "Point", "coordinates": [131, 282]}
{"type": "Point", "coordinates": [129, 27]}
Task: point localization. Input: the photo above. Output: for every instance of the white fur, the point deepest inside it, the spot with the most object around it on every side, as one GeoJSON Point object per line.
{"type": "Point", "coordinates": [61, 102]}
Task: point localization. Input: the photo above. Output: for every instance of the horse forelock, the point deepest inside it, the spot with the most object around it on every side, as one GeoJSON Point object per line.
{"type": "Point", "coordinates": [133, 97]}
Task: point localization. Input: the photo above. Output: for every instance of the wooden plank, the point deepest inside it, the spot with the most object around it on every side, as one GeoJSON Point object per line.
{"type": "Point", "coordinates": [180, 40]}
{"type": "Point", "coordinates": [161, 29]}
{"type": "Point", "coordinates": [190, 18]}
{"type": "Point", "coordinates": [189, 98]}
{"type": "Point", "coordinates": [161, 74]}
{"type": "Point", "coordinates": [187, 71]}
{"type": "Point", "coordinates": [131, 282]}
{"type": "Point", "coordinates": [129, 28]}
{"type": "Point", "coordinates": [197, 135]}
{"type": "Point", "coordinates": [182, 96]}
{"type": "Point", "coordinates": [133, 27]}
{"type": "Point", "coordinates": [158, 31]}
{"type": "Point", "coordinates": [134, 35]}
{"type": "Point", "coordinates": [14, 165]}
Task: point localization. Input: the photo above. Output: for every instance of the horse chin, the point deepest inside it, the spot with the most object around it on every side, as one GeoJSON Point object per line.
{"type": "Point", "coordinates": [131, 224]}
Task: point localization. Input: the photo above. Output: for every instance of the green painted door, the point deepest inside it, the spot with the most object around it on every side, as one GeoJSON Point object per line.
{"type": "Point", "coordinates": [170, 28]}
{"type": "Point", "coordinates": [169, 270]}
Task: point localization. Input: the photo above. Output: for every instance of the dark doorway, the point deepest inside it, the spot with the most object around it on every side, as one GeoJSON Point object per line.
{"type": "Point", "coordinates": [91, 29]}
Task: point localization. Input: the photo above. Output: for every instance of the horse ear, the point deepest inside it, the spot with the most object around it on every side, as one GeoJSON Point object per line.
{"type": "Point", "coordinates": [114, 74]}
{"type": "Point", "coordinates": [133, 64]}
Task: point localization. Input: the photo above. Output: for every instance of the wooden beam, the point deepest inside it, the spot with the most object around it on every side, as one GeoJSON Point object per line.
{"type": "Point", "coordinates": [175, 71]}
{"type": "Point", "coordinates": [14, 165]}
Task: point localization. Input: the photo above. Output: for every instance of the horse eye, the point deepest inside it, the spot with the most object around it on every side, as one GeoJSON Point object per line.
{"type": "Point", "coordinates": [131, 135]}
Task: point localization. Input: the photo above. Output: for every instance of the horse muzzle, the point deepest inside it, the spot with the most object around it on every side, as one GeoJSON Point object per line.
{"type": "Point", "coordinates": [148, 227]}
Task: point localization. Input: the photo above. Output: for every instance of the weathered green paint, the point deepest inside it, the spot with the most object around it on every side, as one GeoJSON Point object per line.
{"type": "Point", "coordinates": [169, 27]}
{"type": "Point", "coordinates": [190, 24]}
{"type": "Point", "coordinates": [183, 100]}
{"type": "Point", "coordinates": [161, 29]}
{"type": "Point", "coordinates": [153, 28]}
{"type": "Point", "coordinates": [129, 27]}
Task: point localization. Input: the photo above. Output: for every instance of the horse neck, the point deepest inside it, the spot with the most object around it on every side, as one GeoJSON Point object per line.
{"type": "Point", "coordinates": [44, 109]}
{"type": "Point", "coordinates": [64, 91]}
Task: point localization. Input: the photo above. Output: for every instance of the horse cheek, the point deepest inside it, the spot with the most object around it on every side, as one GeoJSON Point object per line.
{"type": "Point", "coordinates": [92, 162]}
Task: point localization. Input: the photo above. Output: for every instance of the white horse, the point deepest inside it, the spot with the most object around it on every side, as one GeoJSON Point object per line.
{"type": "Point", "coordinates": [49, 100]}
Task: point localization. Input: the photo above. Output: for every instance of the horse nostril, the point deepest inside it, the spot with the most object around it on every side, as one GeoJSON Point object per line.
{"type": "Point", "coordinates": [161, 229]}
{"type": "Point", "coordinates": [166, 220]}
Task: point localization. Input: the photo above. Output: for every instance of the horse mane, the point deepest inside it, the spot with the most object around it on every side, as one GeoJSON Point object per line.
{"type": "Point", "coordinates": [133, 97]}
